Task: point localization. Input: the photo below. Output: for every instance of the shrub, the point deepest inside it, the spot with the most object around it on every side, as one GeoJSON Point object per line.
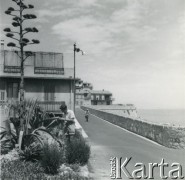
{"type": "Point", "coordinates": [4, 149]}
{"type": "Point", "coordinates": [8, 139]}
{"type": "Point", "coordinates": [10, 156]}
{"type": "Point", "coordinates": [31, 153]}
{"type": "Point", "coordinates": [67, 176]}
{"type": "Point", "coordinates": [52, 157]}
{"type": "Point", "coordinates": [77, 150]}
{"type": "Point", "coordinates": [19, 170]}
{"type": "Point", "coordinates": [75, 167]}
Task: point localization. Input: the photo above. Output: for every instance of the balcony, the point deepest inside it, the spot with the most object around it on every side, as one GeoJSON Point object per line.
{"type": "Point", "coordinates": [40, 65]}
{"type": "Point", "coordinates": [48, 63]}
{"type": "Point", "coordinates": [12, 69]}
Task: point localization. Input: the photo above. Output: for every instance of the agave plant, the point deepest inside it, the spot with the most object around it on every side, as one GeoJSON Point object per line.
{"type": "Point", "coordinates": [9, 135]}
{"type": "Point", "coordinates": [33, 144]}
{"type": "Point", "coordinates": [9, 139]}
{"type": "Point", "coordinates": [33, 120]}
{"type": "Point", "coordinates": [37, 130]}
{"type": "Point", "coordinates": [32, 152]}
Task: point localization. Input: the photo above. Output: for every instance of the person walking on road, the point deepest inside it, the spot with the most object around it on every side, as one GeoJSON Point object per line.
{"type": "Point", "coordinates": [87, 113]}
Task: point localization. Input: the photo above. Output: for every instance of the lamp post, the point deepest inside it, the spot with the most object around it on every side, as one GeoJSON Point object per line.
{"type": "Point", "coordinates": [74, 84]}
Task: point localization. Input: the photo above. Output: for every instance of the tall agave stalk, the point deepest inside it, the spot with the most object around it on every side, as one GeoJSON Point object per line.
{"type": "Point", "coordinates": [19, 35]}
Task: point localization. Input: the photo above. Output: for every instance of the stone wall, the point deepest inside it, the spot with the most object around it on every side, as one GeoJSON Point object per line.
{"type": "Point", "coordinates": [168, 136]}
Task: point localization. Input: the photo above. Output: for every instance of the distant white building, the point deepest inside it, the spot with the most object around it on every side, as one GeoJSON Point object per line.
{"type": "Point", "coordinates": [85, 95]}
{"type": "Point", "coordinates": [93, 97]}
{"type": "Point", "coordinates": [102, 100]}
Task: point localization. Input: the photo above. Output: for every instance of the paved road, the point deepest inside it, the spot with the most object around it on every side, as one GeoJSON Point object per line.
{"type": "Point", "coordinates": [108, 141]}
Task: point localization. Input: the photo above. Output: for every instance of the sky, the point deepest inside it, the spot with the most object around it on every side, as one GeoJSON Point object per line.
{"type": "Point", "coordinates": [134, 48]}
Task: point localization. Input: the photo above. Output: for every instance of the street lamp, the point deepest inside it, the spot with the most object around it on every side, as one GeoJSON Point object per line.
{"type": "Point", "coordinates": [74, 85]}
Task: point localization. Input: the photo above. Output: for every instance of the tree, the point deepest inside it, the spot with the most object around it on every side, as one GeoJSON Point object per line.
{"type": "Point", "coordinates": [18, 20]}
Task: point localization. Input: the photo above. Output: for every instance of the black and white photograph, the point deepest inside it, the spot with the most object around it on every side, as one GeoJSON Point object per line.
{"type": "Point", "coordinates": [92, 89]}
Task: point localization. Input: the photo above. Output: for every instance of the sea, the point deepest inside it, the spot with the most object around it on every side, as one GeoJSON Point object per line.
{"type": "Point", "coordinates": [172, 117]}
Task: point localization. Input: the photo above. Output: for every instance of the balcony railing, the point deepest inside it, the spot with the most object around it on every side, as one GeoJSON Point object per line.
{"type": "Point", "coordinates": [12, 69]}
{"type": "Point", "coordinates": [101, 100]}
{"type": "Point", "coordinates": [48, 70]}
{"type": "Point", "coordinates": [50, 106]}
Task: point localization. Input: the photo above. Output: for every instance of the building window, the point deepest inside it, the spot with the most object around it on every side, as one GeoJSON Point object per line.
{"type": "Point", "coordinates": [2, 95]}
{"type": "Point", "coordinates": [49, 92]}
{"type": "Point", "coordinates": [103, 97]}
{"type": "Point", "coordinates": [13, 90]}
{"type": "Point", "coordinates": [92, 97]}
{"type": "Point", "coordinates": [97, 97]}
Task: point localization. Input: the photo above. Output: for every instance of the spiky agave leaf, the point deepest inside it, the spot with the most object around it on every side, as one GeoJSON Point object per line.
{"type": "Point", "coordinates": [8, 139]}
{"type": "Point", "coordinates": [32, 152]}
